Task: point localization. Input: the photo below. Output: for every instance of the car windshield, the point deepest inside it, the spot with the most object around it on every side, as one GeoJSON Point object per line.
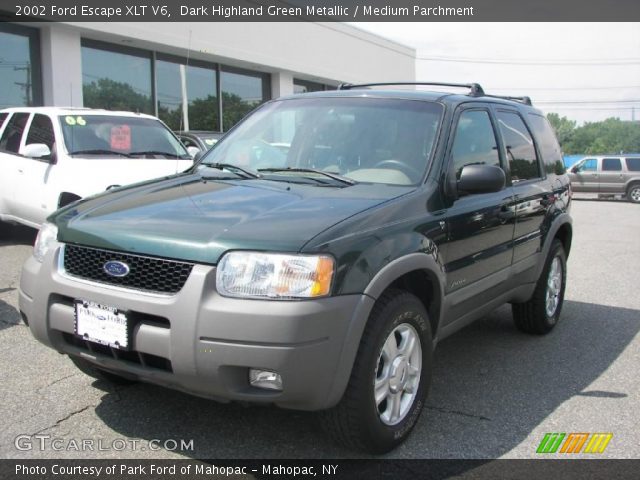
{"type": "Point", "coordinates": [120, 136]}
{"type": "Point", "coordinates": [364, 139]}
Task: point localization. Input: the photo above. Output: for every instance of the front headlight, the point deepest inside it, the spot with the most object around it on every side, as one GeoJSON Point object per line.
{"type": "Point", "coordinates": [45, 239]}
{"type": "Point", "coordinates": [274, 275]}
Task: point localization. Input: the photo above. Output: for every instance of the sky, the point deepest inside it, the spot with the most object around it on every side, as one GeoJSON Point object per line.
{"type": "Point", "coordinates": [584, 71]}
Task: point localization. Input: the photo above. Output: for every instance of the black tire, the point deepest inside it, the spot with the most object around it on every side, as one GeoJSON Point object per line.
{"type": "Point", "coordinates": [532, 316]}
{"type": "Point", "coordinates": [99, 374]}
{"type": "Point", "coordinates": [356, 421]}
{"type": "Point", "coordinates": [633, 193]}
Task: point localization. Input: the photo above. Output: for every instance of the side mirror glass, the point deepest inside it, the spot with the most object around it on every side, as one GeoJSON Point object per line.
{"type": "Point", "coordinates": [481, 179]}
{"type": "Point", "coordinates": [36, 150]}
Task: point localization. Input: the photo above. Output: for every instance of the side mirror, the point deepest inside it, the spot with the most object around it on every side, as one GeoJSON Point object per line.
{"type": "Point", "coordinates": [193, 151]}
{"type": "Point", "coordinates": [36, 150]}
{"type": "Point", "coordinates": [575, 169]}
{"type": "Point", "coordinates": [481, 179]}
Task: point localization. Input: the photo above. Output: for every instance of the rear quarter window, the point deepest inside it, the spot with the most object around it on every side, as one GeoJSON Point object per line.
{"type": "Point", "coordinates": [3, 117]}
{"type": "Point", "coordinates": [548, 144]}
{"type": "Point", "coordinates": [633, 164]}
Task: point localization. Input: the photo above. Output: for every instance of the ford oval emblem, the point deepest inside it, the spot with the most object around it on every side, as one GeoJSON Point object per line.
{"type": "Point", "coordinates": [116, 269]}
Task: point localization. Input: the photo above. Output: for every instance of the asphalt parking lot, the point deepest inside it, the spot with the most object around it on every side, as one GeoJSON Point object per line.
{"type": "Point", "coordinates": [496, 392]}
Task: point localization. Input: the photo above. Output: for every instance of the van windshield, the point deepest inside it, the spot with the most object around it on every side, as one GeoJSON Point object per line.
{"type": "Point", "coordinates": [120, 136]}
{"type": "Point", "coordinates": [364, 139]}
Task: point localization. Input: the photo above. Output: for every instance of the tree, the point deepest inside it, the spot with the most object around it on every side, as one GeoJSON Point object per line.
{"type": "Point", "coordinates": [111, 95]}
{"type": "Point", "coordinates": [608, 136]}
{"type": "Point", "coordinates": [563, 126]}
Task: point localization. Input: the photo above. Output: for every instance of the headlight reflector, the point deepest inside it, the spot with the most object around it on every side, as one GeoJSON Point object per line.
{"type": "Point", "coordinates": [274, 275]}
{"type": "Point", "coordinates": [46, 237]}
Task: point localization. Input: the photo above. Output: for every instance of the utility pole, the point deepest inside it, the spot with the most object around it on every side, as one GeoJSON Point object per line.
{"type": "Point", "coordinates": [25, 85]}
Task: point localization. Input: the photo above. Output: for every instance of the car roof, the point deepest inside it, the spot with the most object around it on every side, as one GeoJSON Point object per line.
{"type": "Point", "coordinates": [74, 111]}
{"type": "Point", "coordinates": [447, 98]}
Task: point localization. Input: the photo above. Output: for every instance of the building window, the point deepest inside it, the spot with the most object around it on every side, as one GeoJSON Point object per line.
{"type": "Point", "coordinates": [242, 91]}
{"type": "Point", "coordinates": [187, 95]}
{"type": "Point", "coordinates": [116, 78]}
{"type": "Point", "coordinates": [20, 78]}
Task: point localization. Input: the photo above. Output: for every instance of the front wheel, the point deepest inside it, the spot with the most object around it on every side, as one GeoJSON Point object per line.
{"type": "Point", "coordinates": [541, 313]}
{"type": "Point", "coordinates": [390, 377]}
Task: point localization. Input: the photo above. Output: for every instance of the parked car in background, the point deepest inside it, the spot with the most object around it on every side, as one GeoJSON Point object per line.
{"type": "Point", "coordinates": [50, 157]}
{"type": "Point", "coordinates": [198, 141]}
{"type": "Point", "coordinates": [608, 175]}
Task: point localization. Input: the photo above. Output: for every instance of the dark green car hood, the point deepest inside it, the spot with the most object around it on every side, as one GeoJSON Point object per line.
{"type": "Point", "coordinates": [188, 218]}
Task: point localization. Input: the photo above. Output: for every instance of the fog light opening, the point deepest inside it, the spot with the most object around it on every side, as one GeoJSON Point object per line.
{"type": "Point", "coordinates": [265, 379]}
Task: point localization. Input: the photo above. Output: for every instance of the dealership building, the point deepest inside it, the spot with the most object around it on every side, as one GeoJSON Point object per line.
{"type": "Point", "coordinates": [198, 76]}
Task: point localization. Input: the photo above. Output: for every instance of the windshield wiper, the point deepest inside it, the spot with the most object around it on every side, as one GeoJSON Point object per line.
{"type": "Point", "coordinates": [158, 152]}
{"type": "Point", "coordinates": [234, 168]}
{"type": "Point", "coordinates": [99, 151]}
{"type": "Point", "coordinates": [333, 176]}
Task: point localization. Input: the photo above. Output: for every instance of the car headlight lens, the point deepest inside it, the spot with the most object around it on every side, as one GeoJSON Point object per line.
{"type": "Point", "coordinates": [274, 275]}
{"type": "Point", "coordinates": [46, 238]}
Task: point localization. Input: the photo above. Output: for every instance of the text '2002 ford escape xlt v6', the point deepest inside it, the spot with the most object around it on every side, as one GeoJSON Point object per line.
{"type": "Point", "coordinates": [319, 273]}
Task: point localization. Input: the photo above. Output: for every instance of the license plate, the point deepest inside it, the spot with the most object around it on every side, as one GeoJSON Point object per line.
{"type": "Point", "coordinates": [101, 324]}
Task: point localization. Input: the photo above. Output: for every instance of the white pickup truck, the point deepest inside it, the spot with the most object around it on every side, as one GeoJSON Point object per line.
{"type": "Point", "coordinates": [50, 157]}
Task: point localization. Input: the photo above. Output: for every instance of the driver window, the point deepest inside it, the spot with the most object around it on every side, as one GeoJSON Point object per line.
{"type": "Point", "coordinates": [475, 141]}
{"type": "Point", "coordinates": [590, 164]}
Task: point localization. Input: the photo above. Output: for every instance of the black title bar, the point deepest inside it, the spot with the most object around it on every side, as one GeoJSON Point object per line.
{"type": "Point", "coordinates": [320, 10]}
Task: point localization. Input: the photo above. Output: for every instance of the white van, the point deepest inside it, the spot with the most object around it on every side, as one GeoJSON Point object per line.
{"type": "Point", "coordinates": [50, 157]}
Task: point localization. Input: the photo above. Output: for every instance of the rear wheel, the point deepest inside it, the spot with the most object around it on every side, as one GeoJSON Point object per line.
{"type": "Point", "coordinates": [99, 374]}
{"type": "Point", "coordinates": [633, 193]}
{"type": "Point", "coordinates": [541, 313]}
{"type": "Point", "coordinates": [390, 377]}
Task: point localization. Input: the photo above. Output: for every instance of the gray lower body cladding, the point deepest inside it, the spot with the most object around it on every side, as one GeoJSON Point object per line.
{"type": "Point", "coordinates": [202, 343]}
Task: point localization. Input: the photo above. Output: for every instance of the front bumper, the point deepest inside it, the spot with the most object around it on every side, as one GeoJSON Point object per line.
{"type": "Point", "coordinates": [202, 343]}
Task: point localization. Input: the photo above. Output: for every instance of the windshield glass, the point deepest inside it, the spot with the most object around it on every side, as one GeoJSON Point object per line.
{"type": "Point", "coordinates": [362, 139]}
{"type": "Point", "coordinates": [119, 136]}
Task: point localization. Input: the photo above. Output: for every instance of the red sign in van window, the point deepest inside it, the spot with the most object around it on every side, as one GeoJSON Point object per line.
{"type": "Point", "coordinates": [121, 137]}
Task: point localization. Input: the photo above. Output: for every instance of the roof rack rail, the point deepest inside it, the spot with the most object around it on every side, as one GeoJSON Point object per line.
{"type": "Point", "coordinates": [475, 90]}
{"type": "Point", "coordinates": [525, 100]}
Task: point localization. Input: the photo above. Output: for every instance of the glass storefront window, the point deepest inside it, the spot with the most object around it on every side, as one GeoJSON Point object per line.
{"type": "Point", "coordinates": [114, 78]}
{"type": "Point", "coordinates": [242, 91]}
{"type": "Point", "coordinates": [187, 96]}
{"type": "Point", "coordinates": [19, 66]}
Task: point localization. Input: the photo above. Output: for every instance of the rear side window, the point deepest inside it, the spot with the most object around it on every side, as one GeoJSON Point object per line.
{"type": "Point", "coordinates": [519, 147]}
{"type": "Point", "coordinates": [548, 144]}
{"type": "Point", "coordinates": [633, 164]}
{"type": "Point", "coordinates": [475, 141]}
{"type": "Point", "coordinates": [611, 165]}
{"type": "Point", "coordinates": [12, 135]}
{"type": "Point", "coordinates": [41, 131]}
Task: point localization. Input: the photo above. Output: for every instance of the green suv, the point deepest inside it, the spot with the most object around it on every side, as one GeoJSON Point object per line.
{"type": "Point", "coordinates": [315, 256]}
